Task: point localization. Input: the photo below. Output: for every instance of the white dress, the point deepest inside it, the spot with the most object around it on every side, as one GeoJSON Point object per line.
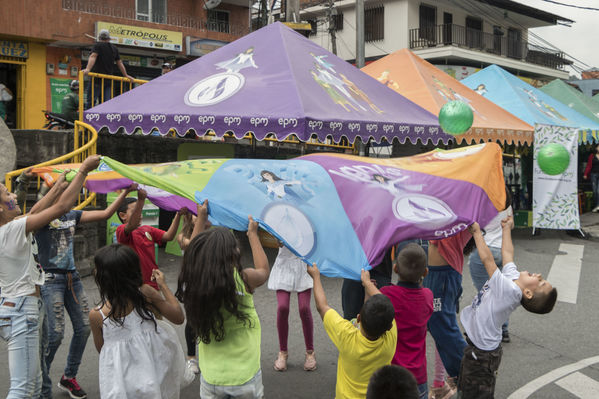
{"type": "Point", "coordinates": [139, 360]}
{"type": "Point", "coordinates": [289, 273]}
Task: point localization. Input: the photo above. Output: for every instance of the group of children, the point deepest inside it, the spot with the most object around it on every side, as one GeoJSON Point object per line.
{"type": "Point", "coordinates": [382, 352]}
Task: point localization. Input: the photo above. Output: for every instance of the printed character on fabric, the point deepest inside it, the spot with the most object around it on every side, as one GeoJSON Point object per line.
{"type": "Point", "coordinates": [478, 373]}
{"type": "Point", "coordinates": [56, 242]}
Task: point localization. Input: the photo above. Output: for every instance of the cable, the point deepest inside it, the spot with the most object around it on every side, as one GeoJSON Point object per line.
{"type": "Point", "coordinates": [571, 5]}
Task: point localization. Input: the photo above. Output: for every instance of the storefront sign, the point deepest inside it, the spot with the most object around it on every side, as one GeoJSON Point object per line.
{"type": "Point", "coordinates": [9, 48]}
{"type": "Point", "coordinates": [198, 47]}
{"type": "Point", "coordinates": [59, 88]}
{"type": "Point", "coordinates": [138, 36]}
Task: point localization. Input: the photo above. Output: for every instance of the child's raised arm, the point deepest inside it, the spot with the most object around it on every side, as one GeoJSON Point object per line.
{"type": "Point", "coordinates": [135, 220]}
{"type": "Point", "coordinates": [96, 216]}
{"type": "Point", "coordinates": [171, 233]}
{"type": "Point", "coordinates": [484, 252]}
{"type": "Point", "coordinates": [201, 219]}
{"type": "Point", "coordinates": [319, 297]}
{"type": "Point", "coordinates": [507, 247]}
{"type": "Point", "coordinates": [259, 274]}
{"type": "Point", "coordinates": [369, 286]}
{"type": "Point", "coordinates": [166, 303]}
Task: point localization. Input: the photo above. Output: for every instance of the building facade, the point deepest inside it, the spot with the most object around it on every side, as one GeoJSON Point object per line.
{"type": "Point", "coordinates": [460, 36]}
{"type": "Point", "coordinates": [44, 44]}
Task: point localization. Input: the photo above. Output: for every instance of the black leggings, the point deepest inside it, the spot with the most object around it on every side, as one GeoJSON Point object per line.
{"type": "Point", "coordinates": [190, 339]}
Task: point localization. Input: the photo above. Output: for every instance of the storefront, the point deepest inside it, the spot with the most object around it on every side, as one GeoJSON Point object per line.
{"type": "Point", "coordinates": [22, 72]}
{"type": "Point", "coordinates": [142, 50]}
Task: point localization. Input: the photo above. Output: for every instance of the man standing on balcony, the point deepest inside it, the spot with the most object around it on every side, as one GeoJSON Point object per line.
{"type": "Point", "coordinates": [101, 60]}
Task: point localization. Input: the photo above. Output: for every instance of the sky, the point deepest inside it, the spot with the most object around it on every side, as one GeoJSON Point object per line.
{"type": "Point", "coordinates": [578, 41]}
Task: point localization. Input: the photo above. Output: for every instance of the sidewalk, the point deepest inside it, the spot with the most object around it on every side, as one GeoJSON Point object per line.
{"type": "Point", "coordinates": [589, 222]}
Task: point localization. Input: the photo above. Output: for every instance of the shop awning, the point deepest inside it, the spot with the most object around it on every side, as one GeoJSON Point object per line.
{"type": "Point", "coordinates": [430, 87]}
{"type": "Point", "coordinates": [527, 102]}
{"type": "Point", "coordinates": [568, 95]}
{"type": "Point", "coordinates": [272, 81]}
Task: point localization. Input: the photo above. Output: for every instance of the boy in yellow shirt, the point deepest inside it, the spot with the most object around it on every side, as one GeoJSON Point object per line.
{"type": "Point", "coordinates": [364, 347]}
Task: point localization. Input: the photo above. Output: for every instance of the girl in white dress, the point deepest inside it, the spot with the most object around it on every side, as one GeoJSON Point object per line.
{"type": "Point", "coordinates": [289, 275]}
{"type": "Point", "coordinates": [140, 357]}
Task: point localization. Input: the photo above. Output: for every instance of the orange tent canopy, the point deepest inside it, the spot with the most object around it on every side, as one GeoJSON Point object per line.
{"type": "Point", "coordinates": [430, 87]}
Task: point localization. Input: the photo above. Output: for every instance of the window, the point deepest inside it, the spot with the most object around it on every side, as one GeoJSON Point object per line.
{"type": "Point", "coordinates": [314, 24]}
{"type": "Point", "coordinates": [338, 21]}
{"type": "Point", "coordinates": [151, 10]}
{"type": "Point", "coordinates": [428, 22]}
{"type": "Point", "coordinates": [374, 23]}
{"type": "Point", "coordinates": [218, 21]}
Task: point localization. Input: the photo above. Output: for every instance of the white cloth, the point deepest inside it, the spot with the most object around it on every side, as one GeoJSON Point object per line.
{"type": "Point", "coordinates": [492, 307]}
{"type": "Point", "coordinates": [5, 93]}
{"type": "Point", "coordinates": [139, 360]}
{"type": "Point", "coordinates": [19, 271]}
{"type": "Point", "coordinates": [493, 230]}
{"type": "Point", "coordinates": [289, 273]}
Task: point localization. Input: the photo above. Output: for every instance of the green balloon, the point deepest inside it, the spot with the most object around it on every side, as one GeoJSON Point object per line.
{"type": "Point", "coordinates": [553, 159]}
{"type": "Point", "coordinates": [455, 117]}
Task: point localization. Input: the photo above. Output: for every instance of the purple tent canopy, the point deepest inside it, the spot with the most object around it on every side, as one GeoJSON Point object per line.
{"type": "Point", "coordinates": [274, 81]}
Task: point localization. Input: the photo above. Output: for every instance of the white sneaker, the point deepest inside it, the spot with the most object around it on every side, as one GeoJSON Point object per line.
{"type": "Point", "coordinates": [596, 209]}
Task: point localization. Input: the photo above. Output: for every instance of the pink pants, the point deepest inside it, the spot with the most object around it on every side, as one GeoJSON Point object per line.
{"type": "Point", "coordinates": [303, 303]}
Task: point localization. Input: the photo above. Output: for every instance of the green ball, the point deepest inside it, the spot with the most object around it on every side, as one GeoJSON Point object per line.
{"type": "Point", "coordinates": [456, 117]}
{"type": "Point", "coordinates": [553, 159]}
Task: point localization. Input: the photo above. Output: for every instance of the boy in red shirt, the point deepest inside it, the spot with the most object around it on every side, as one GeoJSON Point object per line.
{"type": "Point", "coordinates": [142, 238]}
{"type": "Point", "coordinates": [413, 307]}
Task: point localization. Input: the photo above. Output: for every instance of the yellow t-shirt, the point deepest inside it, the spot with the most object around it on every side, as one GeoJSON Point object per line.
{"type": "Point", "coordinates": [359, 357]}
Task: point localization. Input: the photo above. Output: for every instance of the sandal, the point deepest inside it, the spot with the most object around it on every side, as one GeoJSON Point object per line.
{"type": "Point", "coordinates": [310, 363]}
{"type": "Point", "coordinates": [281, 362]}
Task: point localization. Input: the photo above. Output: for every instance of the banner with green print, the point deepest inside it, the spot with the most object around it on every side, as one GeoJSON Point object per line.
{"type": "Point", "coordinates": [555, 199]}
{"type": "Point", "coordinates": [59, 88]}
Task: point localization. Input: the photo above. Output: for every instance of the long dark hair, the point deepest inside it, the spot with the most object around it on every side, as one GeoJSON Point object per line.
{"type": "Point", "coordinates": [207, 283]}
{"type": "Point", "coordinates": [119, 279]}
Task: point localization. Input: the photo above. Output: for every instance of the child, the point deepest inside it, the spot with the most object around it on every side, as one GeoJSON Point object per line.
{"type": "Point", "coordinates": [21, 309]}
{"type": "Point", "coordinates": [392, 382]}
{"type": "Point", "coordinates": [363, 348]}
{"type": "Point", "coordinates": [142, 238]}
{"type": "Point", "coordinates": [63, 289]}
{"type": "Point", "coordinates": [289, 274]}
{"type": "Point", "coordinates": [413, 308]}
{"type": "Point", "coordinates": [493, 240]}
{"type": "Point", "coordinates": [218, 300]}
{"type": "Point", "coordinates": [445, 264]}
{"type": "Point", "coordinates": [482, 320]}
{"type": "Point", "coordinates": [140, 357]}
{"type": "Point", "coordinates": [184, 238]}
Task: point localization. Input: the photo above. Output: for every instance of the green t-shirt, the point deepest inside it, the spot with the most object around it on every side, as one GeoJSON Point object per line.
{"type": "Point", "coordinates": [236, 359]}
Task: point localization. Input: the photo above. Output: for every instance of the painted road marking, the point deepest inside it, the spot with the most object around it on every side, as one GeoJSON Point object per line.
{"type": "Point", "coordinates": [580, 385]}
{"type": "Point", "coordinates": [565, 272]}
{"type": "Point", "coordinates": [551, 376]}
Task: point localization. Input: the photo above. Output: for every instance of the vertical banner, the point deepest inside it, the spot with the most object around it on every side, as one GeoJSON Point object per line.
{"type": "Point", "coordinates": [555, 199]}
{"type": "Point", "coordinates": [59, 88]}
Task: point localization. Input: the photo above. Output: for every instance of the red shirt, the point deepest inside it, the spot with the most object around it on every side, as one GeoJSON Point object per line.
{"type": "Point", "coordinates": [142, 240]}
{"type": "Point", "coordinates": [413, 307]}
{"type": "Point", "coordinates": [452, 249]}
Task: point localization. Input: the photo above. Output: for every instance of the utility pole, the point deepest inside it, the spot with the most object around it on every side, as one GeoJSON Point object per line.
{"type": "Point", "coordinates": [332, 12]}
{"type": "Point", "coordinates": [359, 33]}
{"type": "Point", "coordinates": [292, 11]}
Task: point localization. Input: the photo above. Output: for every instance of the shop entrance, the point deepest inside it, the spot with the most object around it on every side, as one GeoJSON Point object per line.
{"type": "Point", "coordinates": [9, 74]}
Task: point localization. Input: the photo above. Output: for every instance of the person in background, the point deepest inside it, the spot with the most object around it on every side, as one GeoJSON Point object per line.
{"type": "Point", "coordinates": [70, 102]}
{"type": "Point", "coordinates": [5, 96]}
{"type": "Point", "coordinates": [392, 382]}
{"type": "Point", "coordinates": [592, 172]}
{"type": "Point", "coordinates": [101, 60]}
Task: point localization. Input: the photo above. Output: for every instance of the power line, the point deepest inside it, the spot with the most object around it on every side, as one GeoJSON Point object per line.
{"type": "Point", "coordinates": [571, 5]}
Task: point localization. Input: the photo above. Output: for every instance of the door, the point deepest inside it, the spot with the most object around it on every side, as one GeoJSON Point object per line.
{"type": "Point", "coordinates": [428, 22]}
{"type": "Point", "coordinates": [474, 32]}
{"type": "Point", "coordinates": [514, 43]}
{"type": "Point", "coordinates": [447, 28]}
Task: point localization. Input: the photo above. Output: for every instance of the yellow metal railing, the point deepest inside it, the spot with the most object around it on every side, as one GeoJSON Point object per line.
{"type": "Point", "coordinates": [86, 138]}
{"type": "Point", "coordinates": [104, 82]}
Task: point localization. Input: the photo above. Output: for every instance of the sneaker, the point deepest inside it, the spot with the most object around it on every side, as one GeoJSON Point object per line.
{"type": "Point", "coordinates": [444, 392]}
{"type": "Point", "coordinates": [505, 336]}
{"type": "Point", "coordinates": [281, 362]}
{"type": "Point", "coordinates": [596, 209]}
{"type": "Point", "coordinates": [72, 387]}
{"type": "Point", "coordinates": [310, 363]}
{"type": "Point", "coordinates": [192, 365]}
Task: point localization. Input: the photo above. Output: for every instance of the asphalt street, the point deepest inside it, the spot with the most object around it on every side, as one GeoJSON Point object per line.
{"type": "Point", "coordinates": [551, 356]}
